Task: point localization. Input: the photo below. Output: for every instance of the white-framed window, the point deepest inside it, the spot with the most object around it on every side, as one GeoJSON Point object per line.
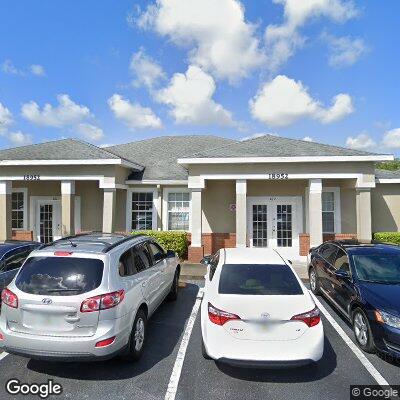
{"type": "Point", "coordinates": [18, 209]}
{"type": "Point", "coordinates": [331, 217]}
{"type": "Point", "coordinates": [177, 209]}
{"type": "Point", "coordinates": [141, 210]}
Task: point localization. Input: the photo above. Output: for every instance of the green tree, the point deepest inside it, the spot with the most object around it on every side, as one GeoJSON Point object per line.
{"type": "Point", "coordinates": [389, 165]}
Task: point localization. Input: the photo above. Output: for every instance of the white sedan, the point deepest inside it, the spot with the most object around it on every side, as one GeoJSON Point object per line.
{"type": "Point", "coordinates": [257, 312]}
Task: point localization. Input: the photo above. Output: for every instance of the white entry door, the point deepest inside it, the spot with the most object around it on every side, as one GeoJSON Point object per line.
{"type": "Point", "coordinates": [48, 220]}
{"type": "Point", "coordinates": [275, 222]}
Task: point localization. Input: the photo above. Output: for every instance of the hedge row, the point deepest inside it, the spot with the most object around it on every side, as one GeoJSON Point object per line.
{"type": "Point", "coordinates": [170, 240]}
{"type": "Point", "coordinates": [387, 237]}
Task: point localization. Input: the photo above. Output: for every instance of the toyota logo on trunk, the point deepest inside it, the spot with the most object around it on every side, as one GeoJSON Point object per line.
{"type": "Point", "coordinates": [47, 301]}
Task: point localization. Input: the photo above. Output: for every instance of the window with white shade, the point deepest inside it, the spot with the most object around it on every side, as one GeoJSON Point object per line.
{"type": "Point", "coordinates": [142, 210]}
{"type": "Point", "coordinates": [18, 207]}
{"type": "Point", "coordinates": [178, 210]}
{"type": "Point", "coordinates": [328, 212]}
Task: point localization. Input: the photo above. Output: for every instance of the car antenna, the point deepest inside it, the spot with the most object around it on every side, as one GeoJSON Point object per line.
{"type": "Point", "coordinates": [72, 243]}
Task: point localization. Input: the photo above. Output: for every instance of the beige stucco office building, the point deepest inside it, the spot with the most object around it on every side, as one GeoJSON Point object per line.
{"type": "Point", "coordinates": [269, 191]}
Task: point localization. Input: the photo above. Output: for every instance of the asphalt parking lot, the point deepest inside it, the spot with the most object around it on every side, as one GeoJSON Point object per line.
{"type": "Point", "coordinates": [199, 378]}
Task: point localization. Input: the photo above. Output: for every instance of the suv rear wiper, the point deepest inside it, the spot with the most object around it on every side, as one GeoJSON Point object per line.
{"type": "Point", "coordinates": [63, 290]}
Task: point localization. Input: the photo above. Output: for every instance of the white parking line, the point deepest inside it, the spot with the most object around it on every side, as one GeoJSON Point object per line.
{"type": "Point", "coordinates": [180, 357]}
{"type": "Point", "coordinates": [3, 355]}
{"type": "Point", "coordinates": [358, 353]}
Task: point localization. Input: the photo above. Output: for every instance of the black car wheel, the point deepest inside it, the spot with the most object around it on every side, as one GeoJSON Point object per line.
{"type": "Point", "coordinates": [314, 281]}
{"type": "Point", "coordinates": [173, 294]}
{"type": "Point", "coordinates": [362, 331]}
{"type": "Point", "coordinates": [137, 338]}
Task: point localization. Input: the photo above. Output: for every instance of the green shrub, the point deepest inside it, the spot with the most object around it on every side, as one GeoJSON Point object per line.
{"type": "Point", "coordinates": [387, 237]}
{"type": "Point", "coordinates": [170, 240]}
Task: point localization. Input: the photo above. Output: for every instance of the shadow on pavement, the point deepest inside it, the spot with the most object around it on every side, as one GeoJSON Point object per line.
{"type": "Point", "coordinates": [164, 331]}
{"type": "Point", "coordinates": [313, 372]}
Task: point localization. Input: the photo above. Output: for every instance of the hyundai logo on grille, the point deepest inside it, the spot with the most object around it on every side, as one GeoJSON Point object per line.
{"type": "Point", "coordinates": [47, 301]}
{"type": "Point", "coordinates": [265, 315]}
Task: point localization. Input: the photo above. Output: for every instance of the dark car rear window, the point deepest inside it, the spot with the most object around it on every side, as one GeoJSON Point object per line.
{"type": "Point", "coordinates": [60, 276]}
{"type": "Point", "coordinates": [258, 279]}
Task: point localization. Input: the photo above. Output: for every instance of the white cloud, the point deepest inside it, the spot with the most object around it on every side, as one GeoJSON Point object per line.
{"type": "Point", "coordinates": [37, 70]}
{"type": "Point", "coordinates": [308, 139]}
{"type": "Point", "coordinates": [90, 132]}
{"type": "Point", "coordinates": [9, 68]}
{"type": "Point", "coordinates": [257, 135]}
{"type": "Point", "coordinates": [147, 72]}
{"type": "Point", "coordinates": [283, 101]}
{"type": "Point", "coordinates": [190, 98]}
{"type": "Point", "coordinates": [6, 118]}
{"type": "Point", "coordinates": [391, 139]}
{"type": "Point", "coordinates": [18, 138]}
{"type": "Point", "coordinates": [66, 113]}
{"type": "Point", "coordinates": [360, 142]}
{"type": "Point", "coordinates": [216, 32]}
{"type": "Point", "coordinates": [283, 40]}
{"type": "Point", "coordinates": [133, 114]}
{"type": "Point", "coordinates": [344, 51]}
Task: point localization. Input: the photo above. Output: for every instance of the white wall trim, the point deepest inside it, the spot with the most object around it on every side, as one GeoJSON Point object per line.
{"type": "Point", "coordinates": [166, 191]}
{"type": "Point", "coordinates": [157, 182]}
{"type": "Point", "coordinates": [337, 211]}
{"type": "Point", "coordinates": [5, 187]}
{"type": "Point", "coordinates": [68, 187]}
{"type": "Point", "coordinates": [128, 223]}
{"type": "Point", "coordinates": [257, 160]}
{"type": "Point", "coordinates": [25, 209]}
{"type": "Point", "coordinates": [396, 180]}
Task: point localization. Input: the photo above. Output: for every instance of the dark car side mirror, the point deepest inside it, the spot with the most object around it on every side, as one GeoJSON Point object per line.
{"type": "Point", "coordinates": [171, 254]}
{"type": "Point", "coordinates": [206, 260]}
{"type": "Point", "coordinates": [340, 273]}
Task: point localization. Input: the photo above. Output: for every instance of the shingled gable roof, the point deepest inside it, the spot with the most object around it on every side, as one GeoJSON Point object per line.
{"type": "Point", "coordinates": [62, 150]}
{"type": "Point", "coordinates": [276, 146]}
{"type": "Point", "coordinates": [159, 155]}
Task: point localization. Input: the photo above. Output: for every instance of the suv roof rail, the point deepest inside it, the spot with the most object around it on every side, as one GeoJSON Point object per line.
{"type": "Point", "coordinates": [107, 245]}
{"type": "Point", "coordinates": [125, 239]}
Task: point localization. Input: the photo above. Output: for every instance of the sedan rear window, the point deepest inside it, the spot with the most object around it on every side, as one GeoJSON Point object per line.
{"type": "Point", "coordinates": [60, 276]}
{"type": "Point", "coordinates": [258, 279]}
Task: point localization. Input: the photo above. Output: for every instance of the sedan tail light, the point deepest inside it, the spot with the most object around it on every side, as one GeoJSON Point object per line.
{"type": "Point", "coordinates": [9, 298]}
{"type": "Point", "coordinates": [220, 317]}
{"type": "Point", "coordinates": [103, 302]}
{"type": "Point", "coordinates": [310, 318]}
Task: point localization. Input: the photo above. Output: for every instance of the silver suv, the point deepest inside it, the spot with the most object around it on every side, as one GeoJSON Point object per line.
{"type": "Point", "coordinates": [87, 297]}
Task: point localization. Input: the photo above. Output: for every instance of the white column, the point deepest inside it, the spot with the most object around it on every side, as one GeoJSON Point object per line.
{"type": "Point", "coordinates": [315, 212]}
{"type": "Point", "coordinates": [158, 202]}
{"type": "Point", "coordinates": [109, 202]}
{"type": "Point", "coordinates": [241, 212]}
{"type": "Point", "coordinates": [196, 218]}
{"type": "Point", "coordinates": [5, 210]}
{"type": "Point", "coordinates": [67, 208]}
{"type": "Point", "coordinates": [364, 230]}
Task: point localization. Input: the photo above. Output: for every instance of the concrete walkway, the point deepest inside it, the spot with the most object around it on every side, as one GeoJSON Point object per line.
{"type": "Point", "coordinates": [197, 271]}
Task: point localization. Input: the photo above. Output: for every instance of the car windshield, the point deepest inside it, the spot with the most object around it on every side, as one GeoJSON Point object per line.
{"type": "Point", "coordinates": [378, 267]}
{"type": "Point", "coordinates": [258, 279]}
{"type": "Point", "coordinates": [60, 276]}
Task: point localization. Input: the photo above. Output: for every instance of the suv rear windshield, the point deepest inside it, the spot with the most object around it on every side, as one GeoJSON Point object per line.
{"type": "Point", "coordinates": [258, 279]}
{"type": "Point", "coordinates": [60, 276]}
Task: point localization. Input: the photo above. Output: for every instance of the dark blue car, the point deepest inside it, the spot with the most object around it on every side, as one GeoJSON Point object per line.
{"type": "Point", "coordinates": [363, 283]}
{"type": "Point", "coordinates": [12, 256]}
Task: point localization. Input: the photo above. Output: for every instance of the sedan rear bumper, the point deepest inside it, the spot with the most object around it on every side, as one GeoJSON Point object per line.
{"type": "Point", "coordinates": [276, 364]}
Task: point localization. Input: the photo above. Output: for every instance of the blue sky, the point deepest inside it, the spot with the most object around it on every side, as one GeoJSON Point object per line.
{"type": "Point", "coordinates": [118, 71]}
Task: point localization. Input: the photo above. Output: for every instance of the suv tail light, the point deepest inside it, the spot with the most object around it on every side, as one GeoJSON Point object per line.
{"type": "Point", "coordinates": [9, 298]}
{"type": "Point", "coordinates": [310, 318]}
{"type": "Point", "coordinates": [220, 317]}
{"type": "Point", "coordinates": [103, 302]}
{"type": "Point", "coordinates": [105, 342]}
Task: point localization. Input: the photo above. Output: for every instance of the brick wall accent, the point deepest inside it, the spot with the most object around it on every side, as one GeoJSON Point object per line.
{"type": "Point", "coordinates": [304, 240]}
{"type": "Point", "coordinates": [22, 235]}
{"type": "Point", "coordinates": [195, 254]}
